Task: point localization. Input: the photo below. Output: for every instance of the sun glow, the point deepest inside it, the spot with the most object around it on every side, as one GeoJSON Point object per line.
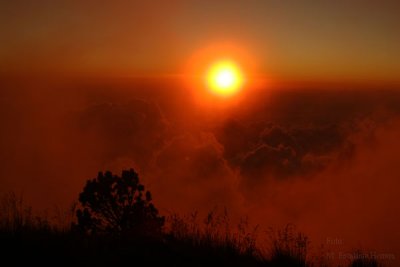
{"type": "Point", "coordinates": [224, 78]}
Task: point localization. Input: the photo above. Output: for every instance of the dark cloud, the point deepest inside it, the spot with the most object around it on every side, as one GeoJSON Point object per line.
{"type": "Point", "coordinates": [266, 161]}
{"type": "Point", "coordinates": [263, 150]}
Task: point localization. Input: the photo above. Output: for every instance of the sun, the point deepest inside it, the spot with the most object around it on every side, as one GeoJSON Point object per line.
{"type": "Point", "coordinates": [224, 78]}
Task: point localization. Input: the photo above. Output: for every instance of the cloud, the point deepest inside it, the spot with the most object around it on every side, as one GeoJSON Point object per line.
{"type": "Point", "coordinates": [354, 201]}
{"type": "Point", "coordinates": [267, 161]}
{"type": "Point", "coordinates": [191, 167]}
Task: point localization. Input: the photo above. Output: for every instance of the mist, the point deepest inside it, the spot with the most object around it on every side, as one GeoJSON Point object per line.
{"type": "Point", "coordinates": [323, 159]}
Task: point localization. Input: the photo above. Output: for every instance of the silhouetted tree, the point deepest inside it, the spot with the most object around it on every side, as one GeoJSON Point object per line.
{"type": "Point", "coordinates": [113, 204]}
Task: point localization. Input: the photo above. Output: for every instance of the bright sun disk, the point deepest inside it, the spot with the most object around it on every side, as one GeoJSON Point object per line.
{"type": "Point", "coordinates": [224, 78]}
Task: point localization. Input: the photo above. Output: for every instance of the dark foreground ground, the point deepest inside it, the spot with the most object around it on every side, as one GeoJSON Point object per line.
{"type": "Point", "coordinates": [45, 247]}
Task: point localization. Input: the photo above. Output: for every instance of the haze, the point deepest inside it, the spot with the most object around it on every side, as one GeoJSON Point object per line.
{"type": "Point", "coordinates": [312, 139]}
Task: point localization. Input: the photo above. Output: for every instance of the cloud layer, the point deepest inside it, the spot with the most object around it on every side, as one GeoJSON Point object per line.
{"type": "Point", "coordinates": [325, 160]}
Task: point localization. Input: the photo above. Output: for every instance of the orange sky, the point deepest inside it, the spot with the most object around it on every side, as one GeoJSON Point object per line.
{"type": "Point", "coordinates": [323, 159]}
{"type": "Point", "coordinates": [292, 40]}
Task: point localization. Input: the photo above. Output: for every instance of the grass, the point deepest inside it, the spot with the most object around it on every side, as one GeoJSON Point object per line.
{"type": "Point", "coordinates": [190, 240]}
{"type": "Point", "coordinates": [288, 247]}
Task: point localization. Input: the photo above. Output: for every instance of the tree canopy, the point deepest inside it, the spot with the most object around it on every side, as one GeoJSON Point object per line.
{"type": "Point", "coordinates": [116, 204]}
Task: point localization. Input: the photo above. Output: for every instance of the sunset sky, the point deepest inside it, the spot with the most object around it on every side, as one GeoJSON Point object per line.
{"type": "Point", "coordinates": [351, 41]}
{"type": "Point", "coordinates": [89, 86]}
